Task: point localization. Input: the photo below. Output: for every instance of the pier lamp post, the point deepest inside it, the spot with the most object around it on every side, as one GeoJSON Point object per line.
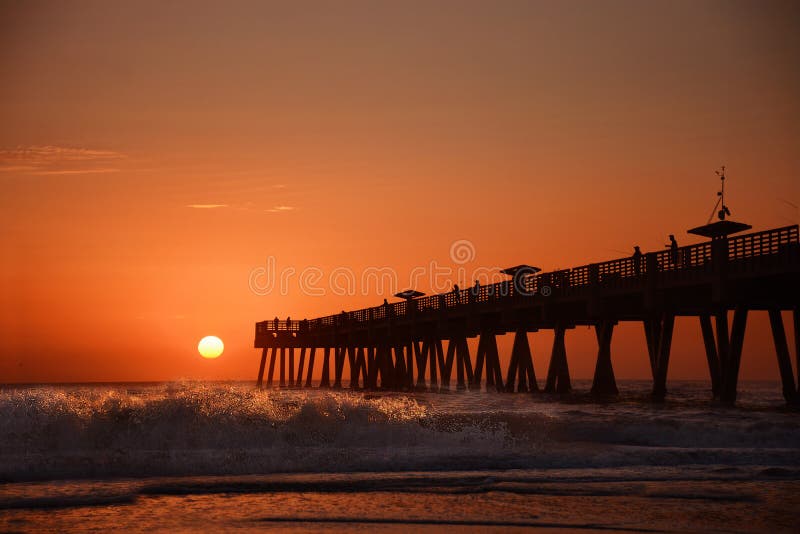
{"type": "Point", "coordinates": [518, 273]}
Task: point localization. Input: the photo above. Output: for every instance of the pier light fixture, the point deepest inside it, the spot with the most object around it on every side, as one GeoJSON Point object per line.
{"type": "Point", "coordinates": [409, 294]}
{"type": "Point", "coordinates": [520, 271]}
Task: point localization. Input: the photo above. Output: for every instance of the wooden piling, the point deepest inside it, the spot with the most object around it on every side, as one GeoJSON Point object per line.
{"type": "Point", "coordinates": [712, 356]}
{"type": "Point", "coordinates": [604, 383]}
{"type": "Point", "coordinates": [261, 367]}
{"type": "Point", "coordinates": [782, 353]}
{"type": "Point", "coordinates": [558, 379]}
{"type": "Point", "coordinates": [272, 356]}
{"type": "Point", "coordinates": [312, 353]}
{"type": "Point", "coordinates": [325, 381]}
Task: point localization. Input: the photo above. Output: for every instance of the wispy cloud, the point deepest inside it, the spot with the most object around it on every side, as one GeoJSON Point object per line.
{"type": "Point", "coordinates": [43, 160]}
{"type": "Point", "coordinates": [47, 153]}
{"type": "Point", "coordinates": [16, 168]}
{"type": "Point", "coordinates": [279, 209]}
{"type": "Point", "coordinates": [75, 171]}
{"type": "Point", "coordinates": [206, 206]}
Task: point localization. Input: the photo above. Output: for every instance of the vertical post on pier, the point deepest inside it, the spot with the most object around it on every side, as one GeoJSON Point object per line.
{"type": "Point", "coordinates": [465, 362]}
{"type": "Point", "coordinates": [261, 367]}
{"type": "Point", "coordinates": [480, 358]}
{"type": "Point", "coordinates": [494, 374]}
{"type": "Point", "coordinates": [325, 380]}
{"type": "Point", "coordinates": [411, 347]}
{"type": "Point", "coordinates": [782, 353]}
{"type": "Point", "coordinates": [435, 356]}
{"type": "Point", "coordinates": [558, 380]}
{"type": "Point", "coordinates": [399, 367]}
{"type": "Point", "coordinates": [422, 362]}
{"type": "Point", "coordinates": [730, 369]}
{"type": "Point", "coordinates": [376, 367]}
{"type": "Point", "coordinates": [796, 315]}
{"type": "Point", "coordinates": [520, 368]}
{"type": "Point", "coordinates": [301, 367]}
{"type": "Point", "coordinates": [361, 368]}
{"type": "Point", "coordinates": [338, 360]}
{"type": "Point", "coordinates": [352, 361]}
{"type": "Point", "coordinates": [312, 353]}
{"type": "Point", "coordinates": [373, 367]}
{"type": "Point", "coordinates": [447, 366]}
{"type": "Point", "coordinates": [663, 344]}
{"type": "Point", "coordinates": [723, 345]}
{"type": "Point", "coordinates": [291, 367]}
{"type": "Point", "coordinates": [513, 363]}
{"type": "Point", "coordinates": [711, 355]}
{"type": "Point", "coordinates": [386, 366]}
{"type": "Point", "coordinates": [283, 367]}
{"type": "Point", "coordinates": [604, 382]}
{"type": "Point", "coordinates": [270, 373]}
{"type": "Point", "coordinates": [526, 364]}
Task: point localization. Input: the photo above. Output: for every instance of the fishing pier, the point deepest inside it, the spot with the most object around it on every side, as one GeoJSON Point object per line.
{"type": "Point", "coordinates": [419, 343]}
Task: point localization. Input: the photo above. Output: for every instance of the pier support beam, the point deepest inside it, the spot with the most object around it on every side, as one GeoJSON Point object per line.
{"type": "Point", "coordinates": [338, 368]}
{"type": "Point", "coordinates": [299, 382]}
{"type": "Point", "coordinates": [312, 353]}
{"type": "Point", "coordinates": [714, 367]}
{"type": "Point", "coordinates": [463, 364]}
{"type": "Point", "coordinates": [447, 365]}
{"type": "Point", "coordinates": [488, 357]}
{"type": "Point", "coordinates": [351, 360]}
{"type": "Point", "coordinates": [784, 360]}
{"type": "Point", "coordinates": [399, 380]}
{"type": "Point", "coordinates": [796, 315]}
{"type": "Point", "coordinates": [282, 365]}
{"type": "Point", "coordinates": [730, 352]}
{"type": "Point", "coordinates": [325, 381]}
{"type": "Point", "coordinates": [411, 350]}
{"type": "Point", "coordinates": [422, 356]}
{"type": "Point", "coordinates": [521, 365]}
{"type": "Point", "coordinates": [604, 383]}
{"type": "Point", "coordinates": [439, 363]}
{"type": "Point", "coordinates": [558, 380]}
{"type": "Point", "coordinates": [291, 367]}
{"type": "Point", "coordinates": [658, 333]}
{"type": "Point", "coordinates": [272, 355]}
{"type": "Point", "coordinates": [261, 367]}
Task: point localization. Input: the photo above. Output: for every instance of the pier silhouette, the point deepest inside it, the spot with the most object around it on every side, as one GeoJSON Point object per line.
{"type": "Point", "coordinates": [400, 345]}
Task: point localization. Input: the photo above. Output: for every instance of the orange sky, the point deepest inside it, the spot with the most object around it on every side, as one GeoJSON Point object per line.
{"type": "Point", "coordinates": [359, 134]}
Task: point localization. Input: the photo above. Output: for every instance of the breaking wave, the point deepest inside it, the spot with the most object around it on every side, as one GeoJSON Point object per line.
{"type": "Point", "coordinates": [223, 429]}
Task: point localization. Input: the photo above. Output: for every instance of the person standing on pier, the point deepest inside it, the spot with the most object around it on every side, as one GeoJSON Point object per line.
{"type": "Point", "coordinates": [637, 261]}
{"type": "Point", "coordinates": [275, 323]}
{"type": "Point", "coordinates": [673, 250]}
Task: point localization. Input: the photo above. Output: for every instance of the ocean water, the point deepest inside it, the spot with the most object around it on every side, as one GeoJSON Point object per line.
{"type": "Point", "coordinates": [194, 456]}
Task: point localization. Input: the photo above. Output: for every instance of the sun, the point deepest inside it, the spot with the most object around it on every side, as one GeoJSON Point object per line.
{"type": "Point", "coordinates": [210, 347]}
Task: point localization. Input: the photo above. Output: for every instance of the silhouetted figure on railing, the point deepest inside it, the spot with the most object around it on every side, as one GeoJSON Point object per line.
{"type": "Point", "coordinates": [457, 293]}
{"type": "Point", "coordinates": [637, 261]}
{"type": "Point", "coordinates": [304, 325]}
{"type": "Point", "coordinates": [289, 324]}
{"type": "Point", "coordinates": [275, 323]}
{"type": "Point", "coordinates": [673, 250]}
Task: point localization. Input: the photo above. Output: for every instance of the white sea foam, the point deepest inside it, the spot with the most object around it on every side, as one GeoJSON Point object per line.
{"type": "Point", "coordinates": [225, 429]}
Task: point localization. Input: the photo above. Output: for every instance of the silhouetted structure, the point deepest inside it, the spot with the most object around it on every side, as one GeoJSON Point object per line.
{"type": "Point", "coordinates": [401, 345]}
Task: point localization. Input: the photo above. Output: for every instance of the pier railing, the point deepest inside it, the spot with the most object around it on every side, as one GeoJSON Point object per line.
{"type": "Point", "coordinates": [684, 263]}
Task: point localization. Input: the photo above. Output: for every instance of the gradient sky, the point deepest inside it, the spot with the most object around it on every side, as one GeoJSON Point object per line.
{"type": "Point", "coordinates": [153, 154]}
